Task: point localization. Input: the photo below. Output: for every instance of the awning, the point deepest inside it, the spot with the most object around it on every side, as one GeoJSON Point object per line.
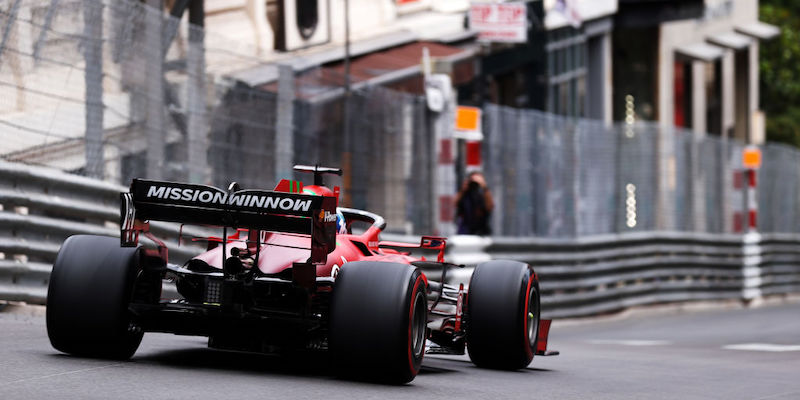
{"type": "Point", "coordinates": [759, 30]}
{"type": "Point", "coordinates": [652, 13]}
{"type": "Point", "coordinates": [700, 51]}
{"type": "Point", "coordinates": [266, 73]}
{"type": "Point", "coordinates": [398, 67]}
{"type": "Point", "coordinates": [730, 40]}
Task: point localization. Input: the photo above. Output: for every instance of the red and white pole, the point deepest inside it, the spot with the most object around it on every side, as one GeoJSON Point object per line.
{"type": "Point", "coordinates": [752, 201]}
{"type": "Point", "coordinates": [751, 240]}
{"type": "Point", "coordinates": [445, 176]}
{"type": "Point", "coordinates": [751, 160]}
{"type": "Point", "coordinates": [737, 200]}
{"type": "Point", "coordinates": [473, 155]}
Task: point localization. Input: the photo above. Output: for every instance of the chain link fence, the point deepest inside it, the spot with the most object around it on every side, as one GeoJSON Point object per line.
{"type": "Point", "coordinates": [566, 177]}
{"type": "Point", "coordinates": [779, 189]}
{"type": "Point", "coordinates": [117, 90]}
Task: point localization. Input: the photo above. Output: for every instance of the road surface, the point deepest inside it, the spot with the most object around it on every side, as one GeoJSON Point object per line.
{"type": "Point", "coordinates": [717, 354]}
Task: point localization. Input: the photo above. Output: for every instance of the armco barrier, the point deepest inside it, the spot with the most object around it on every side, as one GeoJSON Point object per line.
{"type": "Point", "coordinates": [601, 274]}
{"type": "Point", "coordinates": [42, 207]}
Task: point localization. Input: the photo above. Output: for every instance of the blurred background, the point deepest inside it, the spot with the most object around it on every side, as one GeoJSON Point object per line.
{"type": "Point", "coordinates": [637, 151]}
{"type": "Point", "coordinates": [593, 117]}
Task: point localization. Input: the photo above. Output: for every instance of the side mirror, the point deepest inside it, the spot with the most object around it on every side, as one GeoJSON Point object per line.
{"type": "Point", "coordinates": [434, 243]}
{"type": "Point", "coordinates": [431, 242]}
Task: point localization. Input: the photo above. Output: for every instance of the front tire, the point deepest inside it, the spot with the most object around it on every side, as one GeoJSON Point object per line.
{"type": "Point", "coordinates": [378, 324]}
{"type": "Point", "coordinates": [503, 315]}
{"type": "Point", "coordinates": [87, 300]}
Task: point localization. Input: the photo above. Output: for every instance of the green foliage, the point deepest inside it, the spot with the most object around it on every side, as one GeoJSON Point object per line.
{"type": "Point", "coordinates": [784, 126]}
{"type": "Point", "coordinates": [780, 71]}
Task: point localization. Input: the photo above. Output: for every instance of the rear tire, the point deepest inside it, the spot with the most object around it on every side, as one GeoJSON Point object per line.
{"type": "Point", "coordinates": [87, 300]}
{"type": "Point", "coordinates": [502, 311]}
{"type": "Point", "coordinates": [378, 323]}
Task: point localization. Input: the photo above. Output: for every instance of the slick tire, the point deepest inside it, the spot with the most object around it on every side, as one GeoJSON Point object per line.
{"type": "Point", "coordinates": [502, 314]}
{"type": "Point", "coordinates": [87, 300]}
{"type": "Point", "coordinates": [378, 323]}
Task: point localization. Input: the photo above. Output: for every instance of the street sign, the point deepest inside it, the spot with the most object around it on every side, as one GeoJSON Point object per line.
{"type": "Point", "coordinates": [468, 123]}
{"type": "Point", "coordinates": [751, 157]}
{"type": "Point", "coordinates": [468, 118]}
{"type": "Point", "coordinates": [504, 22]}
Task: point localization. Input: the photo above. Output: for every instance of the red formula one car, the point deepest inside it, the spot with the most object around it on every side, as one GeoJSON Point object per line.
{"type": "Point", "coordinates": [288, 273]}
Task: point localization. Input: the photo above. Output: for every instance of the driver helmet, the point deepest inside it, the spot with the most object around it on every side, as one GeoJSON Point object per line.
{"type": "Point", "coordinates": [341, 225]}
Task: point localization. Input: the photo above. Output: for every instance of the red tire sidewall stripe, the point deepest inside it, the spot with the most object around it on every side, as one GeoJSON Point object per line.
{"type": "Point", "coordinates": [413, 302]}
{"type": "Point", "coordinates": [525, 336]}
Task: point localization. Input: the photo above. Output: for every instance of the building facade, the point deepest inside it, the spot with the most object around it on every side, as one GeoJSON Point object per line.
{"type": "Point", "coordinates": [691, 64]}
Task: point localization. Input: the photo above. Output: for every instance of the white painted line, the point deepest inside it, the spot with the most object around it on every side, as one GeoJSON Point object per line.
{"type": "Point", "coordinates": [762, 347]}
{"type": "Point", "coordinates": [631, 342]}
{"type": "Point", "coordinates": [78, 371]}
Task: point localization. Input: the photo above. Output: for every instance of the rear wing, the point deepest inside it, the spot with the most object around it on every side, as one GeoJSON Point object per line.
{"type": "Point", "coordinates": [267, 210]}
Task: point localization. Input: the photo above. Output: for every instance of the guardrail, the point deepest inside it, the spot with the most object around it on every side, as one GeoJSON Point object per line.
{"type": "Point", "coordinates": [40, 208]}
{"type": "Point", "coordinates": [590, 276]}
{"type": "Point", "coordinates": [579, 277]}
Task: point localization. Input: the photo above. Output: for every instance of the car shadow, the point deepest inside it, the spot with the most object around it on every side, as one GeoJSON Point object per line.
{"type": "Point", "coordinates": [469, 364]}
{"type": "Point", "coordinates": [317, 365]}
{"type": "Point", "coordinates": [304, 364]}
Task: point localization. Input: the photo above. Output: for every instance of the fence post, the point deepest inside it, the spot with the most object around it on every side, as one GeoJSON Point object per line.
{"type": "Point", "coordinates": [698, 182]}
{"type": "Point", "coordinates": [284, 128]}
{"type": "Point", "coordinates": [493, 167]}
{"type": "Point", "coordinates": [751, 262]}
{"type": "Point", "coordinates": [154, 67]}
{"type": "Point", "coordinates": [724, 186]}
{"type": "Point", "coordinates": [93, 80]}
{"type": "Point", "coordinates": [444, 178]}
{"type": "Point", "coordinates": [10, 20]}
{"type": "Point", "coordinates": [667, 178]}
{"type": "Point", "coordinates": [196, 97]}
{"type": "Point", "coordinates": [406, 161]}
{"type": "Point", "coordinates": [752, 200]}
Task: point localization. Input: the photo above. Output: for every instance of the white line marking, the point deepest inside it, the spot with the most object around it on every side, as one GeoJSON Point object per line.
{"type": "Point", "coordinates": [59, 374]}
{"type": "Point", "coordinates": [632, 342]}
{"type": "Point", "coordinates": [775, 396]}
{"type": "Point", "coordinates": [762, 347]}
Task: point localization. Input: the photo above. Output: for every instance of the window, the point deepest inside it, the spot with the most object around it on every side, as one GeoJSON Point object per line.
{"type": "Point", "coordinates": [713, 88]}
{"type": "Point", "coordinates": [682, 93]}
{"type": "Point", "coordinates": [566, 62]}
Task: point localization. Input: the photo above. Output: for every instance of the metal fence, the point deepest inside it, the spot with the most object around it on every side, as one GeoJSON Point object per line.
{"type": "Point", "coordinates": [608, 273]}
{"type": "Point", "coordinates": [585, 276]}
{"type": "Point", "coordinates": [565, 177]}
{"type": "Point", "coordinates": [610, 215]}
{"type": "Point", "coordinates": [82, 89]}
{"type": "Point", "coordinates": [136, 93]}
{"type": "Point", "coordinates": [41, 207]}
{"type": "Point", "coordinates": [779, 189]}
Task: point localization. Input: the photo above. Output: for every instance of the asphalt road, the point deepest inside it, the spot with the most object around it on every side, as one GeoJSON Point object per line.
{"type": "Point", "coordinates": [718, 354]}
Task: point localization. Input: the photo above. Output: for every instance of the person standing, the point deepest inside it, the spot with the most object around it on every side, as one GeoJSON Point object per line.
{"type": "Point", "coordinates": [474, 206]}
